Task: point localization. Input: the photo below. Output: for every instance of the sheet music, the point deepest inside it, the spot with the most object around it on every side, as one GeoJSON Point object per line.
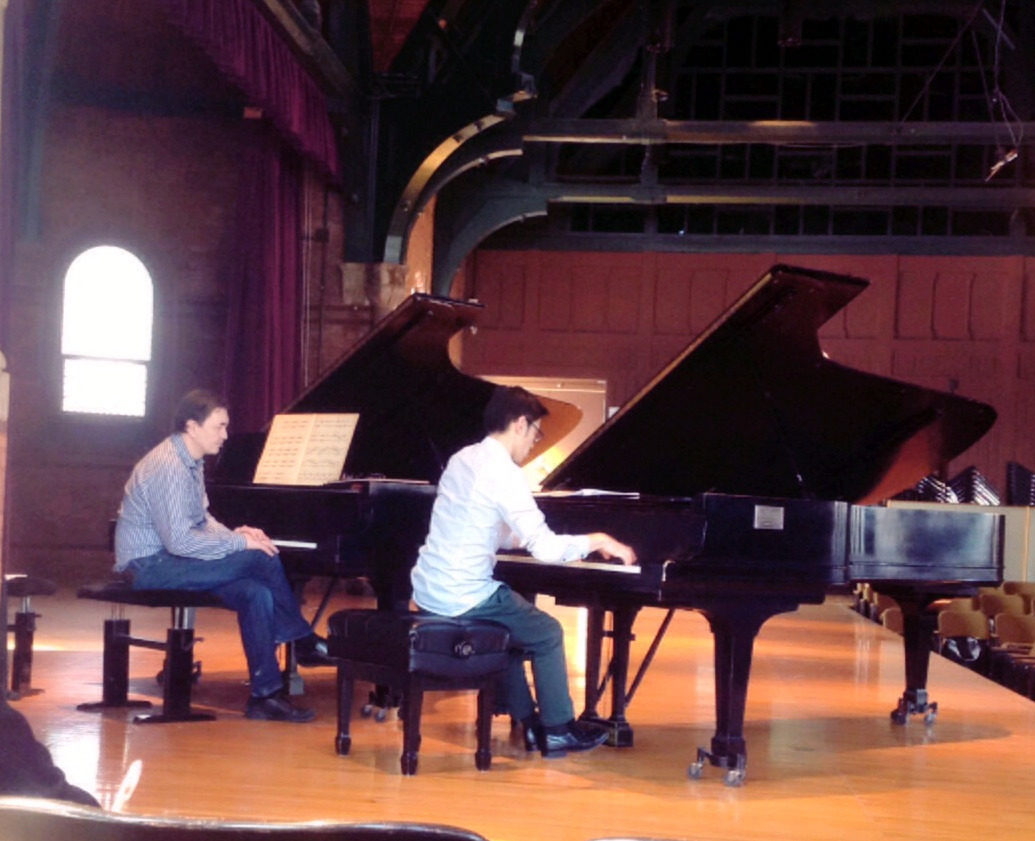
{"type": "Point", "coordinates": [306, 449]}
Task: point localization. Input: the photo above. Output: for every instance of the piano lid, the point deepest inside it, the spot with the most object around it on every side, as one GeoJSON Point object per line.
{"type": "Point", "coordinates": [415, 408]}
{"type": "Point", "coordinates": [752, 406]}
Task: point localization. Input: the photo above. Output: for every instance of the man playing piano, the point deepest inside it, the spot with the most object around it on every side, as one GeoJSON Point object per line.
{"type": "Point", "coordinates": [165, 538]}
{"type": "Point", "coordinates": [483, 504]}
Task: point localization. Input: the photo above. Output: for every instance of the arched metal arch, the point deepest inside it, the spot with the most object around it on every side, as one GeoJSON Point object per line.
{"type": "Point", "coordinates": [433, 174]}
{"type": "Point", "coordinates": [453, 242]}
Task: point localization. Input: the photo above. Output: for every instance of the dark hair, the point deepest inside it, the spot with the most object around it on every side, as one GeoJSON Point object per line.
{"type": "Point", "coordinates": [508, 403]}
{"type": "Point", "coordinates": [196, 405]}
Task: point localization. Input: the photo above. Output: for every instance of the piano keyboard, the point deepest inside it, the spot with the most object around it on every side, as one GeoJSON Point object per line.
{"type": "Point", "coordinates": [603, 566]}
{"type": "Point", "coordinates": [293, 544]}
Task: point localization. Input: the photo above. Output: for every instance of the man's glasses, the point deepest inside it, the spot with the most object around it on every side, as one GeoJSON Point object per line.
{"type": "Point", "coordinates": [538, 432]}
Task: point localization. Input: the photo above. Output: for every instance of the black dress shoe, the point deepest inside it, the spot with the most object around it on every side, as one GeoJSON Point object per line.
{"type": "Point", "coordinates": [276, 708]}
{"type": "Point", "coordinates": [312, 651]}
{"type": "Point", "coordinates": [573, 736]}
{"type": "Point", "coordinates": [530, 730]}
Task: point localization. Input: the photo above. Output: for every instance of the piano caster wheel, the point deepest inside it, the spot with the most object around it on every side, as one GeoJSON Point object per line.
{"type": "Point", "coordinates": [733, 777]}
{"type": "Point", "coordinates": [900, 715]}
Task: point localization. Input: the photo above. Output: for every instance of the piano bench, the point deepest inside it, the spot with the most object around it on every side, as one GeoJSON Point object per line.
{"type": "Point", "coordinates": [24, 587]}
{"type": "Point", "coordinates": [410, 654]}
{"type": "Point", "coordinates": [179, 670]}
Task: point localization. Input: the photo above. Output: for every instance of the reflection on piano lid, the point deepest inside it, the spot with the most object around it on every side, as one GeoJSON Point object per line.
{"type": "Point", "coordinates": [415, 407]}
{"type": "Point", "coordinates": [752, 406]}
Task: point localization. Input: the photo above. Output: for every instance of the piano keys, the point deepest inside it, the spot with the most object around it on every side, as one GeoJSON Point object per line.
{"type": "Point", "coordinates": [746, 475]}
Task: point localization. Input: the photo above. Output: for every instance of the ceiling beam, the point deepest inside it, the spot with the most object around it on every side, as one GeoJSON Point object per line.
{"type": "Point", "coordinates": [775, 132]}
{"type": "Point", "coordinates": [836, 195]}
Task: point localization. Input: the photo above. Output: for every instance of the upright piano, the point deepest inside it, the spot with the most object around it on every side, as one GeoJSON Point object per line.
{"type": "Point", "coordinates": [747, 476]}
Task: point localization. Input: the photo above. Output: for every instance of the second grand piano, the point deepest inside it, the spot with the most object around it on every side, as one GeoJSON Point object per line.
{"type": "Point", "coordinates": [752, 457]}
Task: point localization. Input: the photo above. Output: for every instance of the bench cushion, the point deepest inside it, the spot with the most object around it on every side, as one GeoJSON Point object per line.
{"type": "Point", "coordinates": [420, 643]}
{"type": "Point", "coordinates": [19, 586]}
{"type": "Point", "coordinates": [122, 592]}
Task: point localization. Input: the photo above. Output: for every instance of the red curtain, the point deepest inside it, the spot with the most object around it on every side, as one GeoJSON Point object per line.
{"type": "Point", "coordinates": [264, 286]}
{"type": "Point", "coordinates": [243, 44]}
{"type": "Point", "coordinates": [13, 74]}
{"type": "Point", "coordinates": [264, 269]}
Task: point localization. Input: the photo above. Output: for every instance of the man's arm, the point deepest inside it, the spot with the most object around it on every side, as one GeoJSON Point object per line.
{"type": "Point", "coordinates": [257, 539]}
{"type": "Point", "coordinates": [177, 509]}
{"type": "Point", "coordinates": [611, 548]}
{"type": "Point", "coordinates": [528, 525]}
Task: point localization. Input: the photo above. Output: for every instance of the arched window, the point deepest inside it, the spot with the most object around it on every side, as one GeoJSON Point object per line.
{"type": "Point", "coordinates": [106, 333]}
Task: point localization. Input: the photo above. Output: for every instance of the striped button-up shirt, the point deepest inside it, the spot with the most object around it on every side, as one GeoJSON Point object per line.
{"type": "Point", "coordinates": [165, 507]}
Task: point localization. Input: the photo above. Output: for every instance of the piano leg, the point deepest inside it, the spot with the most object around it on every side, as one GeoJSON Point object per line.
{"type": "Point", "coordinates": [734, 626]}
{"type": "Point", "coordinates": [620, 732]}
{"type": "Point", "coordinates": [594, 653]}
{"type": "Point", "coordinates": [919, 623]}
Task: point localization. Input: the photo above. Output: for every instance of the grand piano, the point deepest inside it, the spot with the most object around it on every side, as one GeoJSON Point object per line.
{"type": "Point", "coordinates": [747, 475]}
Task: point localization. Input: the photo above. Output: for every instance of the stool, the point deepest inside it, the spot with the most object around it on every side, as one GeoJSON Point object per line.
{"type": "Point", "coordinates": [178, 672]}
{"type": "Point", "coordinates": [24, 587]}
{"type": "Point", "coordinates": [411, 653]}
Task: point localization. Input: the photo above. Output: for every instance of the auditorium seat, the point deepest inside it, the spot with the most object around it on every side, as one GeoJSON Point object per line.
{"type": "Point", "coordinates": [33, 819]}
{"type": "Point", "coordinates": [992, 604]}
{"type": "Point", "coordinates": [881, 603]}
{"type": "Point", "coordinates": [891, 619]}
{"type": "Point", "coordinates": [963, 603]}
{"type": "Point", "coordinates": [1011, 651]}
{"type": "Point", "coordinates": [1024, 589]}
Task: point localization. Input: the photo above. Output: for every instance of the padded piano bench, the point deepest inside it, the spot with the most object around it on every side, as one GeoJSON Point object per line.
{"type": "Point", "coordinates": [178, 672]}
{"type": "Point", "coordinates": [411, 653]}
{"type": "Point", "coordinates": [24, 587]}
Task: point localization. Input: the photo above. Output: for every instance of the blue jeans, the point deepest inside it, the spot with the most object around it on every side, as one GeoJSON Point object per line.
{"type": "Point", "coordinates": [537, 633]}
{"type": "Point", "coordinates": [249, 582]}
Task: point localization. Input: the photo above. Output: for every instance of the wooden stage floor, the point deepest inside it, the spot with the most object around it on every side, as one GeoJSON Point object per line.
{"type": "Point", "coordinates": [825, 761]}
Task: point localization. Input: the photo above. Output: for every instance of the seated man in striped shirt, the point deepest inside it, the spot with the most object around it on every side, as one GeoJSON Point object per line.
{"type": "Point", "coordinates": [165, 538]}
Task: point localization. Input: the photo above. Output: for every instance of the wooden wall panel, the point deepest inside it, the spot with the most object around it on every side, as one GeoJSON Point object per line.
{"type": "Point", "coordinates": [501, 286]}
{"type": "Point", "coordinates": [1028, 301]}
{"type": "Point", "coordinates": [951, 316]}
{"type": "Point", "coordinates": [914, 304]}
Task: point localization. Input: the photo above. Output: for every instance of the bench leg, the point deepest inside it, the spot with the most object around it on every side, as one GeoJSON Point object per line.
{"type": "Point", "coordinates": [346, 686]}
{"type": "Point", "coordinates": [486, 708]}
{"type": "Point", "coordinates": [177, 678]}
{"type": "Point", "coordinates": [413, 700]}
{"type": "Point", "coordinates": [115, 669]}
{"type": "Point", "coordinates": [24, 628]}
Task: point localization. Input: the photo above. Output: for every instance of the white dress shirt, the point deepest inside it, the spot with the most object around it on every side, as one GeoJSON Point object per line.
{"type": "Point", "coordinates": [483, 504]}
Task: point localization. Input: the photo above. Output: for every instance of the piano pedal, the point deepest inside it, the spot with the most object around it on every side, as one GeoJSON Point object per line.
{"type": "Point", "coordinates": [379, 702]}
{"type": "Point", "coordinates": [734, 776]}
